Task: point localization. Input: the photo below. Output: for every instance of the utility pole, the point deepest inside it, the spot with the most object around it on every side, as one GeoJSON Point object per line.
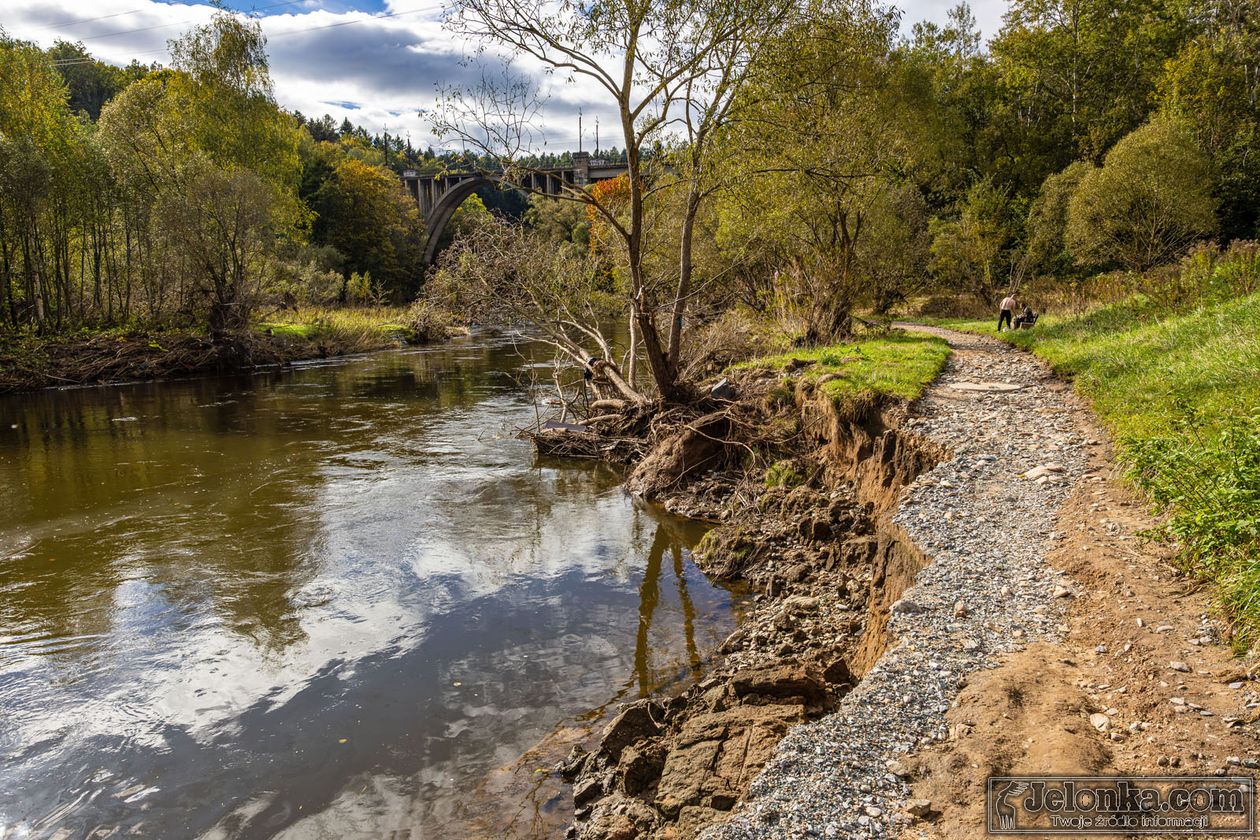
{"type": "Point", "coordinates": [579, 129]}
{"type": "Point", "coordinates": [597, 135]}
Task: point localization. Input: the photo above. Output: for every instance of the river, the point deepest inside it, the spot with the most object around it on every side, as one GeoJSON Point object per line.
{"type": "Point", "coordinates": [339, 600]}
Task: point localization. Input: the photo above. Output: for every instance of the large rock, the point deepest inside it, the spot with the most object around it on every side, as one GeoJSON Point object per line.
{"type": "Point", "coordinates": [793, 682]}
{"type": "Point", "coordinates": [716, 755]}
{"type": "Point", "coordinates": [637, 722]}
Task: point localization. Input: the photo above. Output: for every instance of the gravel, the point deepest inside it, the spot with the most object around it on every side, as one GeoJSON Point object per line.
{"type": "Point", "coordinates": [986, 591]}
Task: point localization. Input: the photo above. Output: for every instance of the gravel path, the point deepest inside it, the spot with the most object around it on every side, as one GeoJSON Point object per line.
{"type": "Point", "coordinates": [986, 591]}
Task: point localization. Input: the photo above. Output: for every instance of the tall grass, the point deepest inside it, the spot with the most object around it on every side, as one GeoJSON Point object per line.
{"type": "Point", "coordinates": [358, 329]}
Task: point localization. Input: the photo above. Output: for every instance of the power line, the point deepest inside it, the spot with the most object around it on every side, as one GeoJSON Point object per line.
{"type": "Point", "coordinates": [80, 60]}
{"type": "Point", "coordinates": [177, 23]}
{"type": "Point", "coordinates": [93, 20]}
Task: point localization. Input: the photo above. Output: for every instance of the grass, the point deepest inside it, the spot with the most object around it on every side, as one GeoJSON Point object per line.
{"type": "Point", "coordinates": [345, 330]}
{"type": "Point", "coordinates": [1180, 391]}
{"type": "Point", "coordinates": [896, 364]}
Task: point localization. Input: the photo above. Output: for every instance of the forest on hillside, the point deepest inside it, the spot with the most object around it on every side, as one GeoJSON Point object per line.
{"type": "Point", "coordinates": [803, 160]}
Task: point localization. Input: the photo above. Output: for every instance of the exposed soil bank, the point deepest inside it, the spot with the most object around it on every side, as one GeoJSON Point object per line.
{"type": "Point", "coordinates": [826, 562]}
{"type": "Point", "coordinates": [954, 592]}
{"type": "Point", "coordinates": [27, 364]}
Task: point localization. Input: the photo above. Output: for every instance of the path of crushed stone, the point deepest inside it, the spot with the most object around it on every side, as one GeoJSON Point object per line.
{"type": "Point", "coordinates": [986, 591]}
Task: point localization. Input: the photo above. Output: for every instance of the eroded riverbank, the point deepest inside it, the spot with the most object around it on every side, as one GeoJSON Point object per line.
{"type": "Point", "coordinates": [813, 539]}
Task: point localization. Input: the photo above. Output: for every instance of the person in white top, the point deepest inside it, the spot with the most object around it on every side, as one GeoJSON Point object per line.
{"type": "Point", "coordinates": [1008, 309]}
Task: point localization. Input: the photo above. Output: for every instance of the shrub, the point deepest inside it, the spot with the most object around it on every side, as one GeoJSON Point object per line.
{"type": "Point", "coordinates": [1148, 202]}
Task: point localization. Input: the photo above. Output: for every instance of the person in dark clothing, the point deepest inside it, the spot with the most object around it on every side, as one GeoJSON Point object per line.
{"type": "Point", "coordinates": [1007, 310]}
{"type": "Point", "coordinates": [1026, 318]}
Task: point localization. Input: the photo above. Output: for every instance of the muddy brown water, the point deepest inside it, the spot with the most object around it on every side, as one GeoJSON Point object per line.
{"type": "Point", "coordinates": [340, 600]}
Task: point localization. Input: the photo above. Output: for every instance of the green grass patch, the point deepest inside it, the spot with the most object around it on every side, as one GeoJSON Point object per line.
{"type": "Point", "coordinates": [1180, 392]}
{"type": "Point", "coordinates": [898, 364]}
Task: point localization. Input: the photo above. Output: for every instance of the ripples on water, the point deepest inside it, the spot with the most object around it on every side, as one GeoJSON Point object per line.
{"type": "Point", "coordinates": [338, 601]}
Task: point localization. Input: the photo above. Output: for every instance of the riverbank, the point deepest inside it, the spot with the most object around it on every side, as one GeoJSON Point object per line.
{"type": "Point", "coordinates": [801, 471]}
{"type": "Point", "coordinates": [1012, 621]}
{"type": "Point", "coordinates": [29, 362]}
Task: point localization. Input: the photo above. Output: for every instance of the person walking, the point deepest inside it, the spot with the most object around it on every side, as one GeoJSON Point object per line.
{"type": "Point", "coordinates": [1007, 311]}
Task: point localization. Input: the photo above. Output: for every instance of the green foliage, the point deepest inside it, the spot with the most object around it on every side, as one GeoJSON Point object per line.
{"type": "Point", "coordinates": [359, 287]}
{"type": "Point", "coordinates": [1046, 249]}
{"type": "Point", "coordinates": [1209, 484]}
{"type": "Point", "coordinates": [364, 213]}
{"type": "Point", "coordinates": [1212, 84]}
{"type": "Point", "coordinates": [1148, 202]}
{"type": "Point", "coordinates": [976, 250]}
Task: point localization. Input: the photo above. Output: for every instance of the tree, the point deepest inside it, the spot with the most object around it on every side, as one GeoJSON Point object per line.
{"type": "Point", "coordinates": [365, 213]}
{"type": "Point", "coordinates": [894, 255]}
{"type": "Point", "coordinates": [660, 63]}
{"type": "Point", "coordinates": [204, 148]}
{"type": "Point", "coordinates": [812, 165]}
{"type": "Point", "coordinates": [1046, 250]}
{"type": "Point", "coordinates": [1147, 203]}
{"type": "Point", "coordinates": [1213, 85]}
{"type": "Point", "coordinates": [976, 250]}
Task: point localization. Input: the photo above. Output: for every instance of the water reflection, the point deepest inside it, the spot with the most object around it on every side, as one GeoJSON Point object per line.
{"type": "Point", "coordinates": [341, 600]}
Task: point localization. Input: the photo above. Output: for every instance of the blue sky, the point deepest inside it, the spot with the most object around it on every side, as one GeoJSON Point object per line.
{"type": "Point", "coordinates": [378, 62]}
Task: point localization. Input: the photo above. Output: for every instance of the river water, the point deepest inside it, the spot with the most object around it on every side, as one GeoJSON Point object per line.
{"type": "Point", "coordinates": [341, 600]}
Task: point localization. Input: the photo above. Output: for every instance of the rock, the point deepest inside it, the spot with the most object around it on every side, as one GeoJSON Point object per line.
{"type": "Point", "coordinates": [723, 390]}
{"type": "Point", "coordinates": [960, 610]}
{"type": "Point", "coordinates": [838, 673]}
{"type": "Point", "coordinates": [638, 770]}
{"type": "Point", "coordinates": [718, 754]}
{"type": "Point", "coordinates": [872, 811]}
{"type": "Point", "coordinates": [586, 791]}
{"type": "Point", "coordinates": [1062, 592]}
{"type": "Point", "coordinates": [897, 768]}
{"type": "Point", "coordinates": [780, 682]}
{"type": "Point", "coordinates": [920, 808]}
{"type": "Point", "coordinates": [1100, 721]}
{"type": "Point", "coordinates": [635, 723]}
{"type": "Point", "coordinates": [1179, 666]}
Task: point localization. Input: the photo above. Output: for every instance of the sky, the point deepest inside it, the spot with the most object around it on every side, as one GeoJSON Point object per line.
{"type": "Point", "coordinates": [378, 62]}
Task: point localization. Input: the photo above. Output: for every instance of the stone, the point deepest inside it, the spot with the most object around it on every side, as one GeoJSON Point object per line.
{"type": "Point", "coordinates": [1179, 666]}
{"type": "Point", "coordinates": [780, 682]}
{"type": "Point", "coordinates": [638, 769]}
{"type": "Point", "coordinates": [960, 610]}
{"type": "Point", "coordinates": [636, 722]}
{"type": "Point", "coordinates": [586, 791]}
{"type": "Point", "coordinates": [920, 808]}
{"type": "Point", "coordinates": [1100, 721]}
{"type": "Point", "coordinates": [838, 673]}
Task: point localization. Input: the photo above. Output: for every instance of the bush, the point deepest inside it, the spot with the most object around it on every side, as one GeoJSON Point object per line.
{"type": "Point", "coordinates": [1148, 202]}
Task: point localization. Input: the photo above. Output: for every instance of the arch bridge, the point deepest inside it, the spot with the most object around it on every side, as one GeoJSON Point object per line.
{"type": "Point", "coordinates": [439, 195]}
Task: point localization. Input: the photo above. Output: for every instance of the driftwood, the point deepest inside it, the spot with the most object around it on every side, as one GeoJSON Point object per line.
{"type": "Point", "coordinates": [563, 443]}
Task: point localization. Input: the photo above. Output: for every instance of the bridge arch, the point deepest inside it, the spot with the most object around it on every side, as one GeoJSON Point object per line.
{"type": "Point", "coordinates": [445, 207]}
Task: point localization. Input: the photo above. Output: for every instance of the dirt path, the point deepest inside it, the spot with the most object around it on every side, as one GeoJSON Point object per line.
{"type": "Point", "coordinates": [1039, 608]}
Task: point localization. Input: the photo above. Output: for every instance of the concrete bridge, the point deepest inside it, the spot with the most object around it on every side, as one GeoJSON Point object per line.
{"type": "Point", "coordinates": [440, 195]}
